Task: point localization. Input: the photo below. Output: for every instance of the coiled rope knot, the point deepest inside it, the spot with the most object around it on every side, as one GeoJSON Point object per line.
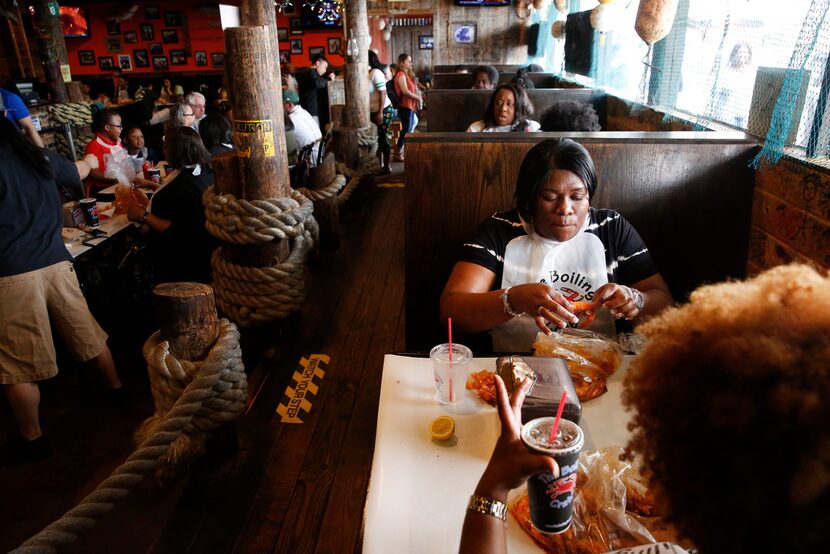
{"type": "Point", "coordinates": [170, 377]}
{"type": "Point", "coordinates": [215, 392]}
{"type": "Point", "coordinates": [239, 221]}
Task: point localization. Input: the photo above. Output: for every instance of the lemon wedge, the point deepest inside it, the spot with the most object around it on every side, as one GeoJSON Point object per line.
{"type": "Point", "coordinates": [442, 428]}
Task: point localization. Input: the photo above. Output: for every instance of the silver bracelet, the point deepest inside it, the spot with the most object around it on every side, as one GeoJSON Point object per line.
{"type": "Point", "coordinates": [505, 300]}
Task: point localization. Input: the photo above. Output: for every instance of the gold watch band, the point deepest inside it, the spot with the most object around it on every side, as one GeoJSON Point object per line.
{"type": "Point", "coordinates": [488, 506]}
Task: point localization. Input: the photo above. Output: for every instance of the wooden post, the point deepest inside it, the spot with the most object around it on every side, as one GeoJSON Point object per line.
{"type": "Point", "coordinates": [355, 72]}
{"type": "Point", "coordinates": [259, 134]}
{"type": "Point", "coordinates": [263, 12]}
{"type": "Point", "coordinates": [52, 48]}
{"type": "Point", "coordinates": [326, 211]}
{"type": "Point", "coordinates": [187, 318]}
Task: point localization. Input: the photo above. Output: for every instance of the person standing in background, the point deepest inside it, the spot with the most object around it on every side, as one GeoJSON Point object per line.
{"type": "Point", "coordinates": [381, 110]}
{"type": "Point", "coordinates": [407, 91]}
{"type": "Point", "coordinates": [18, 114]}
{"type": "Point", "coordinates": [312, 85]}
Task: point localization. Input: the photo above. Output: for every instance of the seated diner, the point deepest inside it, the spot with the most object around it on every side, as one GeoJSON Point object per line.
{"type": "Point", "coordinates": [525, 268]}
{"type": "Point", "coordinates": [509, 111]}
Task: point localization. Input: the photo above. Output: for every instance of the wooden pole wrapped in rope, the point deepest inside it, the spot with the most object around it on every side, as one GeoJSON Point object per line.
{"type": "Point", "coordinates": [215, 392]}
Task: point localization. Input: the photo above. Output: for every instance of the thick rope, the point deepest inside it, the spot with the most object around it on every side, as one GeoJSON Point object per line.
{"type": "Point", "coordinates": [221, 372]}
{"type": "Point", "coordinates": [239, 221]}
{"type": "Point", "coordinates": [252, 295]}
{"type": "Point", "coordinates": [329, 191]}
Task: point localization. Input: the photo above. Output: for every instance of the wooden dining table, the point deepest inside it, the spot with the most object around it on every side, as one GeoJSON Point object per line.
{"type": "Point", "coordinates": [419, 488]}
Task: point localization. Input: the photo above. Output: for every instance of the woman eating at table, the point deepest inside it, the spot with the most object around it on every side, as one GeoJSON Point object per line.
{"type": "Point", "coordinates": [177, 217]}
{"type": "Point", "coordinates": [525, 268]}
{"type": "Point", "coordinates": [509, 110]}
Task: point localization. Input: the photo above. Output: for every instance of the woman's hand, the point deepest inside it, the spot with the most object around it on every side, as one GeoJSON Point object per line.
{"type": "Point", "coordinates": [511, 462]}
{"type": "Point", "coordinates": [134, 213]}
{"type": "Point", "coordinates": [619, 299]}
{"type": "Point", "coordinates": [145, 183]}
{"type": "Point", "coordinates": [543, 303]}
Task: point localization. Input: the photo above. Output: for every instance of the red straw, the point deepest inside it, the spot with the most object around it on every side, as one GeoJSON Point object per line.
{"type": "Point", "coordinates": [449, 340]}
{"type": "Point", "coordinates": [558, 417]}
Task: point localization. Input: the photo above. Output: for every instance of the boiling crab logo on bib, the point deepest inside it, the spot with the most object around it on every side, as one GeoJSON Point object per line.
{"type": "Point", "coordinates": [574, 286]}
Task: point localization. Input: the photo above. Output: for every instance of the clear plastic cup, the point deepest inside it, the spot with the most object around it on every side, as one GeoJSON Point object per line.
{"type": "Point", "coordinates": [451, 376]}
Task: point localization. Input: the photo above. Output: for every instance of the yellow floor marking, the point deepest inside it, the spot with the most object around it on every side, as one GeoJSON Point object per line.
{"type": "Point", "coordinates": [299, 395]}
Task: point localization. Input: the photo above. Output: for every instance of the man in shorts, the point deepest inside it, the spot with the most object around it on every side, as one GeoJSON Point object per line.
{"type": "Point", "coordinates": [38, 290]}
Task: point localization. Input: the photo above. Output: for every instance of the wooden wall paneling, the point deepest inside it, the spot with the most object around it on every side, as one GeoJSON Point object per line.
{"type": "Point", "coordinates": [405, 40]}
{"type": "Point", "coordinates": [793, 226]}
{"type": "Point", "coordinates": [628, 115]}
{"type": "Point", "coordinates": [497, 35]}
{"type": "Point", "coordinates": [670, 186]}
{"type": "Point", "coordinates": [800, 186]}
{"type": "Point", "coordinates": [454, 110]}
{"type": "Point", "coordinates": [465, 80]}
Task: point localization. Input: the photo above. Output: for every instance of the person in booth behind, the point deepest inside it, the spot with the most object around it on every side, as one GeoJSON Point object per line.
{"type": "Point", "coordinates": [178, 216]}
{"type": "Point", "coordinates": [306, 131]}
{"type": "Point", "coordinates": [411, 100]}
{"type": "Point", "coordinates": [107, 126]}
{"type": "Point", "coordinates": [216, 133]}
{"type": "Point", "coordinates": [312, 85]}
{"type": "Point", "coordinates": [766, 416]}
{"type": "Point", "coordinates": [197, 103]}
{"type": "Point", "coordinates": [524, 268]}
{"type": "Point", "coordinates": [17, 112]}
{"type": "Point", "coordinates": [570, 116]}
{"type": "Point", "coordinates": [137, 150]}
{"type": "Point", "coordinates": [485, 77]}
{"type": "Point", "coordinates": [509, 110]}
{"type": "Point", "coordinates": [38, 289]}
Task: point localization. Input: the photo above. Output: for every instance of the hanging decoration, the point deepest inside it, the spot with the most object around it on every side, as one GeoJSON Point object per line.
{"type": "Point", "coordinates": [541, 6]}
{"type": "Point", "coordinates": [283, 5]}
{"type": "Point", "coordinates": [326, 10]}
{"type": "Point", "coordinates": [654, 19]}
{"type": "Point", "coordinates": [387, 35]}
{"type": "Point", "coordinates": [604, 17]}
{"type": "Point", "coordinates": [561, 5]}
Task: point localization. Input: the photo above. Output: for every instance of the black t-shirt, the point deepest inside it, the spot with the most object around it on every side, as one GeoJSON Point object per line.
{"type": "Point", "coordinates": [607, 250]}
{"type": "Point", "coordinates": [309, 83]}
{"type": "Point", "coordinates": [185, 247]}
{"type": "Point", "coordinates": [66, 176]}
{"type": "Point", "coordinates": [30, 218]}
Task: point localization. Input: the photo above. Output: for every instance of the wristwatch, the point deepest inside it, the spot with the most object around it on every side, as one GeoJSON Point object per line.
{"type": "Point", "coordinates": [637, 297]}
{"type": "Point", "coordinates": [488, 506]}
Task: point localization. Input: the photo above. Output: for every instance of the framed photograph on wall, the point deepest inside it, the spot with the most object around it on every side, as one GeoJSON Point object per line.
{"type": "Point", "coordinates": [178, 57]}
{"type": "Point", "coordinates": [200, 57]}
{"type": "Point", "coordinates": [296, 46]}
{"type": "Point", "coordinates": [335, 46]}
{"type": "Point", "coordinates": [296, 26]}
{"type": "Point", "coordinates": [105, 63]}
{"type": "Point", "coordinates": [160, 63]}
{"type": "Point", "coordinates": [113, 45]}
{"type": "Point", "coordinates": [464, 33]}
{"type": "Point", "coordinates": [130, 37]}
{"type": "Point", "coordinates": [86, 57]}
{"type": "Point", "coordinates": [217, 59]}
{"type": "Point", "coordinates": [314, 50]}
{"type": "Point", "coordinates": [169, 36]}
{"type": "Point", "coordinates": [156, 49]}
{"type": "Point", "coordinates": [142, 58]}
{"type": "Point", "coordinates": [426, 42]}
{"type": "Point", "coordinates": [282, 34]}
{"type": "Point", "coordinates": [173, 19]}
{"type": "Point", "coordinates": [147, 32]}
{"type": "Point", "coordinates": [125, 62]}
{"type": "Point", "coordinates": [152, 12]}
{"type": "Point", "coordinates": [285, 57]}
{"type": "Point", "coordinates": [113, 27]}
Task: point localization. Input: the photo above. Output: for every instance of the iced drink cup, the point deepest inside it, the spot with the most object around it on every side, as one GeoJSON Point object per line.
{"type": "Point", "coordinates": [451, 376]}
{"type": "Point", "coordinates": [551, 500]}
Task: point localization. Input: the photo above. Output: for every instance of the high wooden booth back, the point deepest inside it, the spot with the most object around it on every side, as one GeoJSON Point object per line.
{"type": "Point", "coordinates": [454, 110]}
{"type": "Point", "coordinates": [465, 80]}
{"type": "Point", "coordinates": [688, 194]}
{"type": "Point", "coordinates": [502, 67]}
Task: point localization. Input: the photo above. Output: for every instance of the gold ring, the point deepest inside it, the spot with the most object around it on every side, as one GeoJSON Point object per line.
{"type": "Point", "coordinates": [539, 311]}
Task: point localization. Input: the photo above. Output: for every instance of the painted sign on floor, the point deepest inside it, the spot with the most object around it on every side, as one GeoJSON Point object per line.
{"type": "Point", "coordinates": [299, 395]}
